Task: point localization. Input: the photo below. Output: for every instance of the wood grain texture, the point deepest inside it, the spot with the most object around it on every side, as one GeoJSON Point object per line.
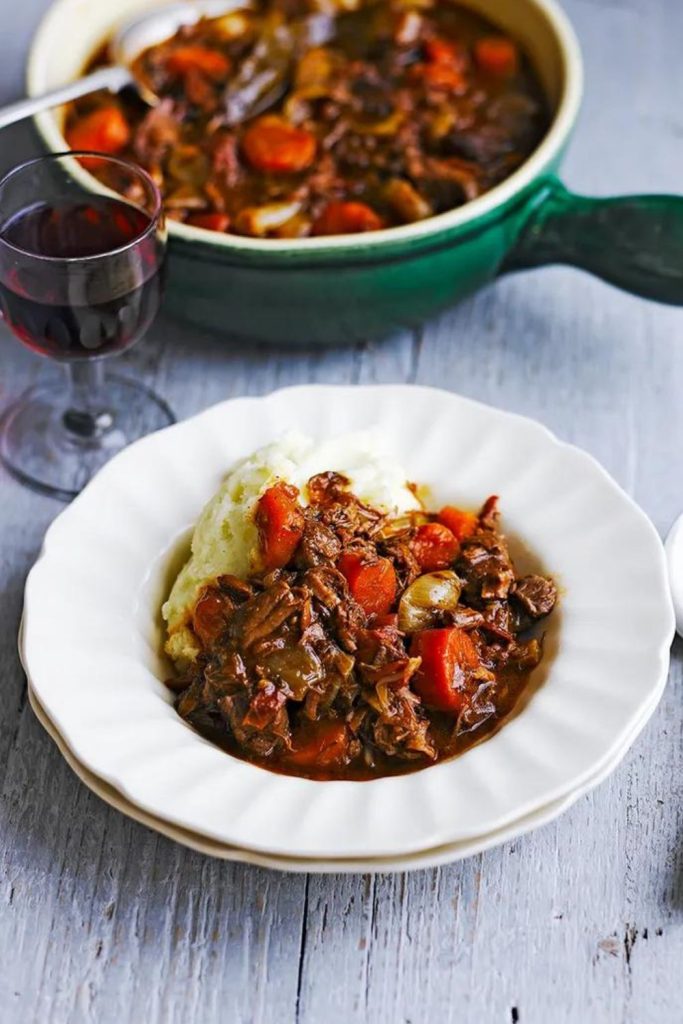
{"type": "Point", "coordinates": [103, 921]}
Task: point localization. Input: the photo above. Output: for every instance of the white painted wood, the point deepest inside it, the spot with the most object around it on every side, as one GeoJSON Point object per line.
{"type": "Point", "coordinates": [103, 921]}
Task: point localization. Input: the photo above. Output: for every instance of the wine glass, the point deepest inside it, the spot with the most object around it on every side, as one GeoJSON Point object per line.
{"type": "Point", "coordinates": [81, 278]}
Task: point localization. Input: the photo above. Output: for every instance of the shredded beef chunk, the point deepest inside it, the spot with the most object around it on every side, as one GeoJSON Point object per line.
{"type": "Point", "coordinates": [319, 546]}
{"type": "Point", "coordinates": [485, 561]}
{"type": "Point", "coordinates": [536, 594]}
{"type": "Point", "coordinates": [325, 664]}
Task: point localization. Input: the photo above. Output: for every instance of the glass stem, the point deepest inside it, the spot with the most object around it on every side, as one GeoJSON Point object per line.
{"type": "Point", "coordinates": [86, 419]}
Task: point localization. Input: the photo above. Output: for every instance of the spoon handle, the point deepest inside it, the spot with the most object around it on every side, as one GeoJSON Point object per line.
{"type": "Point", "coordinates": [113, 78]}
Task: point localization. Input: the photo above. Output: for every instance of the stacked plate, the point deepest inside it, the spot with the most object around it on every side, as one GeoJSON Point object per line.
{"type": "Point", "coordinates": [92, 638]}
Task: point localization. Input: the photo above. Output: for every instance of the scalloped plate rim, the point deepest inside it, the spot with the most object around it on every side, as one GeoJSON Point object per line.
{"type": "Point", "coordinates": [440, 856]}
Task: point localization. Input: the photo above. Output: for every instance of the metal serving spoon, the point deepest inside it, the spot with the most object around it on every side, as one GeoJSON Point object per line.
{"type": "Point", "coordinates": [131, 39]}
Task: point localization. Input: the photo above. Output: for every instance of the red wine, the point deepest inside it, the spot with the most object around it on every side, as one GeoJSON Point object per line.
{"type": "Point", "coordinates": [62, 302]}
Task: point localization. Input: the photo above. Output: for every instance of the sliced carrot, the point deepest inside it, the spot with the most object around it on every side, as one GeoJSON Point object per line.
{"type": "Point", "coordinates": [434, 546]}
{"type": "Point", "coordinates": [372, 583]}
{"type": "Point", "coordinates": [273, 145]}
{"type": "Point", "coordinates": [210, 221]}
{"type": "Point", "coordinates": [444, 67]}
{"type": "Point", "coordinates": [339, 218]}
{"type": "Point", "coordinates": [280, 524]}
{"type": "Point", "coordinates": [104, 130]}
{"type": "Point", "coordinates": [212, 63]}
{"type": "Point", "coordinates": [440, 51]}
{"type": "Point", "coordinates": [443, 76]}
{"type": "Point", "coordinates": [497, 55]}
{"type": "Point", "coordinates": [461, 524]}
{"type": "Point", "coordinates": [323, 744]}
{"type": "Point", "coordinates": [446, 655]}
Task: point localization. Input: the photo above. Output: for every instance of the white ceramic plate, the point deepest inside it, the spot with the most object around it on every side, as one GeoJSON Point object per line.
{"type": "Point", "coordinates": [91, 635]}
{"type": "Point", "coordinates": [429, 858]}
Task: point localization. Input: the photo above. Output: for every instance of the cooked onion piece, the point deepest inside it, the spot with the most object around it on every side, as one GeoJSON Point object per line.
{"type": "Point", "coordinates": [427, 598]}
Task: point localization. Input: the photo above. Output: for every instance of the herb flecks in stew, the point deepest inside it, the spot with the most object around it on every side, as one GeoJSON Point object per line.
{"type": "Point", "coordinates": [365, 646]}
{"type": "Point", "coordinates": [301, 118]}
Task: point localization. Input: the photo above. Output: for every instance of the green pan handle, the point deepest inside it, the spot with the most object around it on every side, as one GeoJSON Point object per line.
{"type": "Point", "coordinates": [634, 242]}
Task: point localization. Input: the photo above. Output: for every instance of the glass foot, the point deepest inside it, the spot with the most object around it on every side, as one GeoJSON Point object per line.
{"type": "Point", "coordinates": [56, 450]}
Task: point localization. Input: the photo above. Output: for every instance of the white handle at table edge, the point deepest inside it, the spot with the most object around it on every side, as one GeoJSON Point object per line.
{"type": "Point", "coordinates": [113, 78]}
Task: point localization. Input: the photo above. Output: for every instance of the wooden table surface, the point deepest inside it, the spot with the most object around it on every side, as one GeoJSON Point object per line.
{"type": "Point", "coordinates": [102, 920]}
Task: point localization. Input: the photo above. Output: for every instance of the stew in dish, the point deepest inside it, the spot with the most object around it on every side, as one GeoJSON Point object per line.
{"type": "Point", "coordinates": [365, 645]}
{"type": "Point", "coordinates": [323, 117]}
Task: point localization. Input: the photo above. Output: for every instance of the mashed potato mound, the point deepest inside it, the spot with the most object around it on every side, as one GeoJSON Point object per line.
{"type": "Point", "coordinates": [225, 538]}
